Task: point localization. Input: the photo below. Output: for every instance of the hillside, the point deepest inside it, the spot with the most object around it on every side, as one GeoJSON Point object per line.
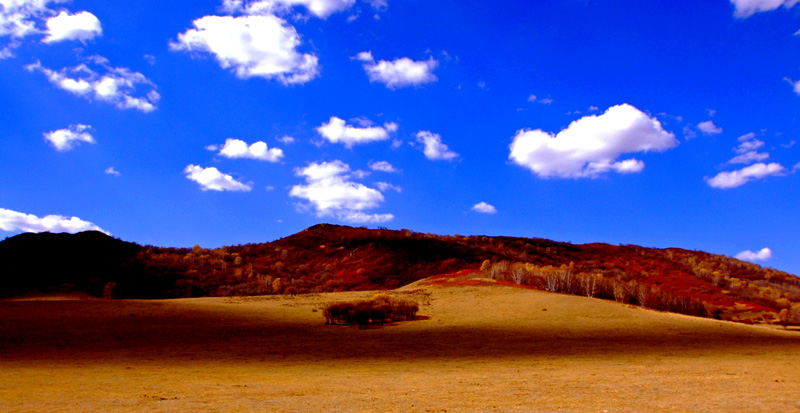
{"type": "Point", "coordinates": [326, 258]}
{"type": "Point", "coordinates": [487, 347]}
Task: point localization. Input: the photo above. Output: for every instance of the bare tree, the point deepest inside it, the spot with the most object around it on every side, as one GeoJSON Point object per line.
{"type": "Point", "coordinates": [589, 284]}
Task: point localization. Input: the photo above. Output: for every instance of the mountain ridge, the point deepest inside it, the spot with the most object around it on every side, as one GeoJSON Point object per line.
{"type": "Point", "coordinates": [327, 257]}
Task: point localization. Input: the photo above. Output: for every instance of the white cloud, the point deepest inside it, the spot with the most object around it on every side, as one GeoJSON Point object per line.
{"type": "Point", "coordinates": [747, 150]}
{"type": "Point", "coordinates": [80, 26]}
{"type": "Point", "coordinates": [534, 98]}
{"type": "Point", "coordinates": [7, 52]}
{"type": "Point", "coordinates": [709, 128]}
{"type": "Point", "coordinates": [398, 73]}
{"type": "Point", "coordinates": [23, 18]}
{"type": "Point", "coordinates": [484, 208]}
{"type": "Point", "coordinates": [733, 179]}
{"type": "Point", "coordinates": [748, 255]}
{"type": "Point", "coordinates": [252, 46]}
{"type": "Point", "coordinates": [111, 171]}
{"type": "Point", "coordinates": [590, 146]}
{"type": "Point", "coordinates": [385, 186]}
{"type": "Point", "coordinates": [337, 131]}
{"type": "Point", "coordinates": [331, 192]}
{"type": "Point", "coordinates": [211, 178]}
{"type": "Point", "coordinates": [390, 127]}
{"type": "Point", "coordinates": [17, 221]}
{"type": "Point", "coordinates": [360, 217]}
{"type": "Point", "coordinates": [795, 85]}
{"type": "Point", "coordinates": [18, 18]}
{"type": "Point", "coordinates": [378, 4]}
{"type": "Point", "coordinates": [236, 148]}
{"type": "Point", "coordinates": [382, 166]}
{"type": "Point", "coordinates": [360, 174]}
{"type": "Point", "coordinates": [749, 157]}
{"type": "Point", "coordinates": [319, 8]}
{"type": "Point", "coordinates": [433, 148]}
{"type": "Point", "coordinates": [747, 8]}
{"type": "Point", "coordinates": [66, 139]}
{"type": "Point", "coordinates": [689, 133]}
{"type": "Point", "coordinates": [286, 140]}
{"type": "Point", "coordinates": [117, 85]}
{"type": "Point", "coordinates": [746, 137]}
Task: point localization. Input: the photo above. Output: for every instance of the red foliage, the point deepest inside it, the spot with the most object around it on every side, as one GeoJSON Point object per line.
{"type": "Point", "coordinates": [339, 258]}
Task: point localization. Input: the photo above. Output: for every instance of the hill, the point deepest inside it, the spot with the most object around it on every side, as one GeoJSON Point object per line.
{"type": "Point", "coordinates": [326, 258]}
{"type": "Point", "coordinates": [84, 262]}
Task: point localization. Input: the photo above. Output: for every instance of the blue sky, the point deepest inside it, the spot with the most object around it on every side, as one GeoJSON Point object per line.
{"type": "Point", "coordinates": [658, 123]}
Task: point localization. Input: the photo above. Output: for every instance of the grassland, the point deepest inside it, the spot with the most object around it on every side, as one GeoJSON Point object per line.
{"type": "Point", "coordinates": [475, 347]}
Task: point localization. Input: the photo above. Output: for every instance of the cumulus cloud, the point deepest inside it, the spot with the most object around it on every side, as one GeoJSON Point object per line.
{"type": "Point", "coordinates": [331, 192]}
{"type": "Point", "coordinates": [709, 128]}
{"type": "Point", "coordinates": [251, 46]}
{"type": "Point", "coordinates": [18, 221]}
{"type": "Point", "coordinates": [747, 8]}
{"type": "Point", "coordinates": [733, 179]}
{"type": "Point", "coordinates": [115, 85]}
{"type": "Point", "coordinates": [484, 208]}
{"type": "Point", "coordinates": [382, 166]}
{"type": "Point", "coordinates": [212, 179]}
{"type": "Point", "coordinates": [398, 73]}
{"type": "Point", "coordinates": [111, 171]}
{"type": "Point", "coordinates": [748, 255]}
{"type": "Point", "coordinates": [18, 18]}
{"type": "Point", "coordinates": [236, 148]}
{"type": "Point", "coordinates": [338, 131]}
{"type": "Point", "coordinates": [319, 8]}
{"type": "Point", "coordinates": [81, 26]}
{"type": "Point", "coordinates": [590, 146]}
{"type": "Point", "coordinates": [748, 150]}
{"type": "Point", "coordinates": [433, 148]}
{"type": "Point", "coordinates": [23, 18]}
{"type": "Point", "coordinates": [66, 139]}
{"type": "Point", "coordinates": [286, 140]}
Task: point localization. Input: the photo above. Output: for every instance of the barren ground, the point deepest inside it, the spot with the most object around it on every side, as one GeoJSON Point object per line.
{"type": "Point", "coordinates": [475, 348]}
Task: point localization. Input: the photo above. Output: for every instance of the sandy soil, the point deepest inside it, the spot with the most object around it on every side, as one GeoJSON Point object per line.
{"type": "Point", "coordinates": [475, 348]}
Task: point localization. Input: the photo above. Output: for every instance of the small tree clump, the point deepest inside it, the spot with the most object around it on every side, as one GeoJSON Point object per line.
{"type": "Point", "coordinates": [379, 309]}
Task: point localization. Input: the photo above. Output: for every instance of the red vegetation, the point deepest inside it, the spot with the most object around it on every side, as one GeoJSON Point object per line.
{"type": "Point", "coordinates": [338, 258]}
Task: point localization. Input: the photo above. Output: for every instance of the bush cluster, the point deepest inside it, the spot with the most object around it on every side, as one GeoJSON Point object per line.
{"type": "Point", "coordinates": [379, 309]}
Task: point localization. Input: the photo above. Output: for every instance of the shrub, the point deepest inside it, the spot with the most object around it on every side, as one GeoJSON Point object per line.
{"type": "Point", "coordinates": [379, 309]}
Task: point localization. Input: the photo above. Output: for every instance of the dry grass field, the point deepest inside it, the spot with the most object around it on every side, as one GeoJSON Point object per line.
{"type": "Point", "coordinates": [473, 348]}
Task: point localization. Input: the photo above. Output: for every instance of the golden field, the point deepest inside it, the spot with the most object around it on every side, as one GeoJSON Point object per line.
{"type": "Point", "coordinates": [472, 348]}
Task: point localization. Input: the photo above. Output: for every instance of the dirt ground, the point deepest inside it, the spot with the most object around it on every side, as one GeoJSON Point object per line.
{"type": "Point", "coordinates": [474, 348]}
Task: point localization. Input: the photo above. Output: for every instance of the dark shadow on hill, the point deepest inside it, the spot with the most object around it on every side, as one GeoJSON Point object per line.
{"type": "Point", "coordinates": [100, 331]}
